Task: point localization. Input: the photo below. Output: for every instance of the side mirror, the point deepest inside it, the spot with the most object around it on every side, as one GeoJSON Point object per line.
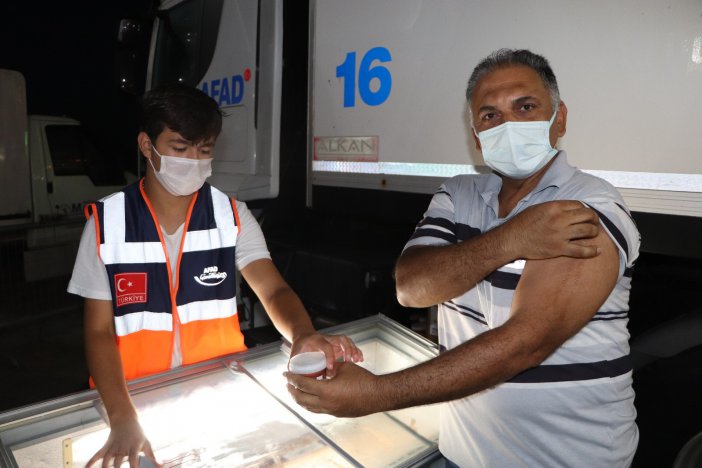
{"type": "Point", "coordinates": [131, 56]}
{"type": "Point", "coordinates": [131, 33]}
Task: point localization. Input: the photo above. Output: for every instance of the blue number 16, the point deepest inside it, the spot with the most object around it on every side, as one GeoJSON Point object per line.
{"type": "Point", "coordinates": [366, 73]}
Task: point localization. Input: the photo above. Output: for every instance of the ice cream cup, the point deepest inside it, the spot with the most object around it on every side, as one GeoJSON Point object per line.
{"type": "Point", "coordinates": [310, 364]}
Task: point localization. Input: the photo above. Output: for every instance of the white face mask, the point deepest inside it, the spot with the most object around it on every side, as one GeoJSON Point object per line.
{"type": "Point", "coordinates": [518, 149]}
{"type": "Point", "coordinates": [182, 176]}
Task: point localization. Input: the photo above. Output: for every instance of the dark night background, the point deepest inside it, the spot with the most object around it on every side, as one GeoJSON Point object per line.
{"type": "Point", "coordinates": [70, 57]}
{"type": "Point", "coordinates": [68, 53]}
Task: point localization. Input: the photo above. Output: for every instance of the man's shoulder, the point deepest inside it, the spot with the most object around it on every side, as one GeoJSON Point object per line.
{"type": "Point", "coordinates": [463, 183]}
{"type": "Point", "coordinates": [216, 192]}
{"type": "Point", "coordinates": [242, 211]}
{"type": "Point", "coordinates": [603, 197]}
{"type": "Point", "coordinates": [584, 186]}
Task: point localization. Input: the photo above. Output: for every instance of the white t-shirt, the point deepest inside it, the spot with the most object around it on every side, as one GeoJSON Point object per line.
{"type": "Point", "coordinates": [90, 279]}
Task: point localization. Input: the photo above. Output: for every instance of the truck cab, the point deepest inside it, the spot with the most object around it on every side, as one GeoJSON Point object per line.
{"type": "Point", "coordinates": [50, 168]}
{"type": "Point", "coordinates": [67, 170]}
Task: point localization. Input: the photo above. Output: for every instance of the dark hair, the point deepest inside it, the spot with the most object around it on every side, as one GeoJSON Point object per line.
{"type": "Point", "coordinates": [183, 109]}
{"type": "Point", "coordinates": [507, 57]}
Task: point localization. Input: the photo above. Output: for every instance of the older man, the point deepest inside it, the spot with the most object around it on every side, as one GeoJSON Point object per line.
{"type": "Point", "coordinates": [531, 268]}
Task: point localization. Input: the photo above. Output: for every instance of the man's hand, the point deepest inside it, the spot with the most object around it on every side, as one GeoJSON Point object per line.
{"type": "Point", "coordinates": [334, 347]}
{"type": "Point", "coordinates": [554, 229]}
{"type": "Point", "coordinates": [126, 439]}
{"type": "Point", "coordinates": [346, 395]}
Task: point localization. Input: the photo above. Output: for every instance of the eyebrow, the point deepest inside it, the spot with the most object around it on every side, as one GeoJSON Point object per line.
{"type": "Point", "coordinates": [518, 100]}
{"type": "Point", "coordinates": [183, 141]}
{"type": "Point", "coordinates": [523, 99]}
{"type": "Point", "coordinates": [486, 108]}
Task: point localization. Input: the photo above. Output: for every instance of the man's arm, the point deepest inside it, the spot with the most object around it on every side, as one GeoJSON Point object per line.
{"type": "Point", "coordinates": [282, 305]}
{"type": "Point", "coordinates": [126, 436]}
{"type": "Point", "coordinates": [289, 316]}
{"type": "Point", "coordinates": [554, 299]}
{"type": "Point", "coordinates": [429, 275]}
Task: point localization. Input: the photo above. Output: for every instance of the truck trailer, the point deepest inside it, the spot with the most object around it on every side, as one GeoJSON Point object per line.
{"type": "Point", "coordinates": [345, 116]}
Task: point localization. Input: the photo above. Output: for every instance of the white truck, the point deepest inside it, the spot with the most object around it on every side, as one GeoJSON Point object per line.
{"type": "Point", "coordinates": [387, 79]}
{"type": "Point", "coordinates": [386, 121]}
{"type": "Point", "coordinates": [48, 168]}
{"type": "Point", "coordinates": [385, 114]}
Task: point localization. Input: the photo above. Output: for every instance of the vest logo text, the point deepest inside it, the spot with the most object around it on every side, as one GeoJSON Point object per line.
{"type": "Point", "coordinates": [130, 288]}
{"type": "Point", "coordinates": [211, 276]}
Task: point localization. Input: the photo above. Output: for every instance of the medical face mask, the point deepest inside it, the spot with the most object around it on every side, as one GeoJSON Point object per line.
{"type": "Point", "coordinates": [518, 149]}
{"type": "Point", "coordinates": [182, 176]}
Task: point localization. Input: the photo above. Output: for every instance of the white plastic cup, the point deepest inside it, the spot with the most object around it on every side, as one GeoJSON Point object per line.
{"type": "Point", "coordinates": [310, 364]}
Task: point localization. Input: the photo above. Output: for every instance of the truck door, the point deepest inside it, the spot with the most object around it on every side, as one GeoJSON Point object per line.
{"type": "Point", "coordinates": [75, 172]}
{"type": "Point", "coordinates": [232, 51]}
{"type": "Point", "coordinates": [15, 203]}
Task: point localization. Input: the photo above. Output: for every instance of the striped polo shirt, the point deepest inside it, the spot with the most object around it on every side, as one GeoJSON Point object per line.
{"type": "Point", "coordinates": [577, 407]}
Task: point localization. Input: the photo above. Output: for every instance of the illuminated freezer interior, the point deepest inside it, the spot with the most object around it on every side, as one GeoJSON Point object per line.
{"type": "Point", "coordinates": [236, 411]}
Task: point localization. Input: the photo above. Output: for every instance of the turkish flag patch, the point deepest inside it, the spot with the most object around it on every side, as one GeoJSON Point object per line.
{"type": "Point", "coordinates": [130, 288]}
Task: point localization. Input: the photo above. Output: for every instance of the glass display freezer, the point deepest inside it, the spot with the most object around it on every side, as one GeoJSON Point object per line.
{"type": "Point", "coordinates": [236, 411]}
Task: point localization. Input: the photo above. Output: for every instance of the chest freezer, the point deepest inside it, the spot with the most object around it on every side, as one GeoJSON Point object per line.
{"type": "Point", "coordinates": [236, 411]}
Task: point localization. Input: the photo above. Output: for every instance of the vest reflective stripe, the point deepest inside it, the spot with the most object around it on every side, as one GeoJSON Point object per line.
{"type": "Point", "coordinates": [204, 297]}
{"type": "Point", "coordinates": [113, 223]}
{"type": "Point", "coordinates": [212, 239]}
{"type": "Point", "coordinates": [146, 252]}
{"type": "Point", "coordinates": [154, 321]}
{"type": "Point", "coordinates": [205, 240]}
{"type": "Point", "coordinates": [205, 310]}
{"type": "Point", "coordinates": [114, 249]}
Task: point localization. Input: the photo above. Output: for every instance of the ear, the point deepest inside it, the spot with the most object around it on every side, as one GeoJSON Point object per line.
{"type": "Point", "coordinates": [476, 139]}
{"type": "Point", "coordinates": [561, 119]}
{"type": "Point", "coordinates": [145, 143]}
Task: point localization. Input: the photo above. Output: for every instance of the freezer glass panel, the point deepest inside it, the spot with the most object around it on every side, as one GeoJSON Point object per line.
{"type": "Point", "coordinates": [217, 419]}
{"type": "Point", "coordinates": [236, 411]}
{"type": "Point", "coordinates": [384, 439]}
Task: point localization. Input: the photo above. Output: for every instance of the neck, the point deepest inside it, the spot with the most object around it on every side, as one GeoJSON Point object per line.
{"type": "Point", "coordinates": [513, 190]}
{"type": "Point", "coordinates": [170, 210]}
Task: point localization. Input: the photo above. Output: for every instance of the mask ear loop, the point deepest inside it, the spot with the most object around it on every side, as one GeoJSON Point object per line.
{"type": "Point", "coordinates": [550, 124]}
{"type": "Point", "coordinates": [160, 158]}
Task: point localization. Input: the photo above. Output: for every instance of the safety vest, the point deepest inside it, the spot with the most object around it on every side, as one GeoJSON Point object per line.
{"type": "Point", "coordinates": [146, 306]}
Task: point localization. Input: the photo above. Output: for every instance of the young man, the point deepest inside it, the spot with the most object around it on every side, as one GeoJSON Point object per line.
{"type": "Point", "coordinates": [531, 268]}
{"type": "Point", "coordinates": [156, 268]}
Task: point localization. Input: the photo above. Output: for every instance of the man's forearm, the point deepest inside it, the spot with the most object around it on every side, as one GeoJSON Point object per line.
{"type": "Point", "coordinates": [483, 362]}
{"type": "Point", "coordinates": [429, 275]}
{"type": "Point", "coordinates": [105, 368]}
{"type": "Point", "coordinates": [288, 314]}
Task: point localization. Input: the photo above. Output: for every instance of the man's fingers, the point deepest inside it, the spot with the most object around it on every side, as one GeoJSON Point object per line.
{"type": "Point", "coordinates": [134, 459]}
{"type": "Point", "coordinates": [576, 250]}
{"type": "Point", "coordinates": [306, 400]}
{"type": "Point", "coordinates": [349, 349]}
{"type": "Point", "coordinates": [148, 451]}
{"type": "Point", "coordinates": [98, 455]}
{"type": "Point", "coordinates": [583, 214]}
{"type": "Point", "coordinates": [107, 460]}
{"type": "Point", "coordinates": [297, 381]}
{"type": "Point", "coordinates": [584, 231]}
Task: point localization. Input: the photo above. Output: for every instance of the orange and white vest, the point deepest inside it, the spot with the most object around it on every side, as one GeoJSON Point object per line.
{"type": "Point", "coordinates": [147, 308]}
